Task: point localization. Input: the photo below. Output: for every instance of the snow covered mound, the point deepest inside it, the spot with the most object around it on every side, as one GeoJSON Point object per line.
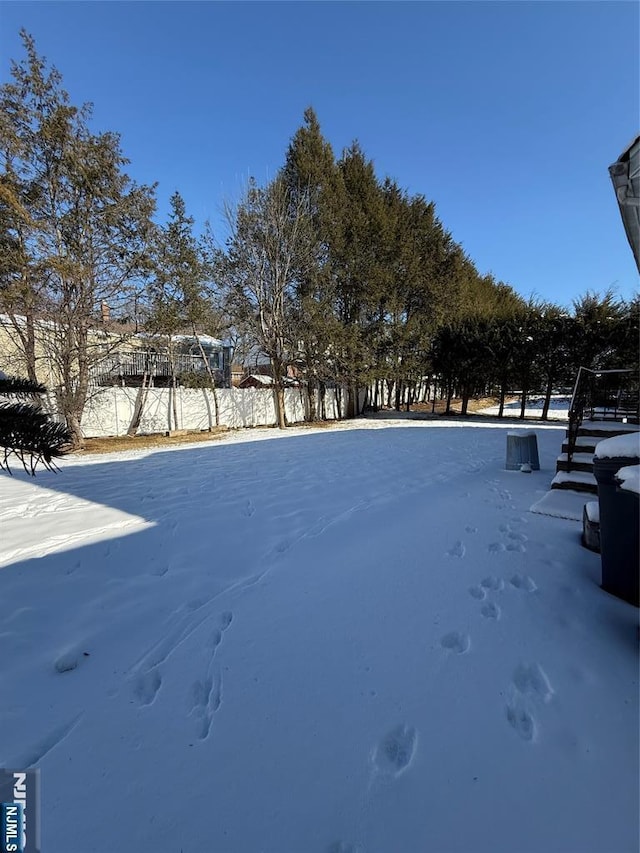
{"type": "Point", "coordinates": [342, 640]}
{"type": "Point", "coordinates": [620, 445]}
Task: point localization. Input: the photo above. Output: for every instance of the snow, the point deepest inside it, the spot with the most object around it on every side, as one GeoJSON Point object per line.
{"type": "Point", "coordinates": [609, 426]}
{"type": "Point", "coordinates": [577, 458]}
{"type": "Point", "coordinates": [593, 512]}
{"type": "Point", "coordinates": [355, 639]}
{"type": "Point", "coordinates": [629, 478]}
{"type": "Point", "coordinates": [584, 477]}
{"type": "Point", "coordinates": [558, 408]}
{"type": "Point", "coordinates": [561, 503]}
{"type": "Point", "coordinates": [624, 446]}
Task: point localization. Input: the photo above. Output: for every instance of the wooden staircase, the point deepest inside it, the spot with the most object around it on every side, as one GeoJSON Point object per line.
{"type": "Point", "coordinates": [577, 475]}
{"type": "Point", "coordinates": [604, 404]}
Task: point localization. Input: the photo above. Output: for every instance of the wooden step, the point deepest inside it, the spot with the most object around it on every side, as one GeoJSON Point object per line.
{"type": "Point", "coordinates": [605, 429]}
{"type": "Point", "coordinates": [579, 481]}
{"type": "Point", "coordinates": [579, 462]}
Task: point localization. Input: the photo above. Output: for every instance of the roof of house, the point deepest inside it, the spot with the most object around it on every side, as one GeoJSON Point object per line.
{"type": "Point", "coordinates": [625, 175]}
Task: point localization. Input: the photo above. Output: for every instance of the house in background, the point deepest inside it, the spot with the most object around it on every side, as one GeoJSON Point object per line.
{"type": "Point", "coordinates": [146, 359]}
{"type": "Point", "coordinates": [118, 355]}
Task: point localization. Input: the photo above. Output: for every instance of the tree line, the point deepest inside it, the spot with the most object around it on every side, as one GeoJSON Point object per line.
{"type": "Point", "coordinates": [332, 273]}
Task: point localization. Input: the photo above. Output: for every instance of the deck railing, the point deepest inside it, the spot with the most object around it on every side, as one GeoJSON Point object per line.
{"type": "Point", "coordinates": [602, 395]}
{"type": "Point", "coordinates": [140, 363]}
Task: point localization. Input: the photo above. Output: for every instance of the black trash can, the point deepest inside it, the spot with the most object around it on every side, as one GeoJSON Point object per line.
{"type": "Point", "coordinates": [619, 524]}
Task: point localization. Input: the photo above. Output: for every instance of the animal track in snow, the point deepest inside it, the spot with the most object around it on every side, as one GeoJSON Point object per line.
{"type": "Point", "coordinates": [147, 685]}
{"type": "Point", "coordinates": [46, 744]}
{"type": "Point", "coordinates": [496, 547]}
{"type": "Point", "coordinates": [523, 582]}
{"type": "Point", "coordinates": [504, 528]}
{"type": "Point", "coordinates": [521, 721]}
{"type": "Point", "coordinates": [493, 583]}
{"type": "Point", "coordinates": [457, 550]}
{"type": "Point", "coordinates": [396, 750]}
{"type": "Point", "coordinates": [456, 642]}
{"type": "Point", "coordinates": [477, 592]}
{"type": "Point", "coordinates": [470, 529]}
{"type": "Point", "coordinates": [517, 537]}
{"type": "Point", "coordinates": [491, 611]}
{"type": "Point", "coordinates": [516, 546]}
{"type": "Point", "coordinates": [206, 693]}
{"type": "Point", "coordinates": [532, 681]}
{"type": "Point", "coordinates": [249, 509]}
{"type": "Point", "coordinates": [343, 847]}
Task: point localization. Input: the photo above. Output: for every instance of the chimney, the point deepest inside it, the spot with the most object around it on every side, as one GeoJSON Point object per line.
{"type": "Point", "coordinates": [105, 313]}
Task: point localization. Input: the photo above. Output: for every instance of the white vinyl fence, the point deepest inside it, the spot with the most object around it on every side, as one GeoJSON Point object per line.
{"type": "Point", "coordinates": [109, 411]}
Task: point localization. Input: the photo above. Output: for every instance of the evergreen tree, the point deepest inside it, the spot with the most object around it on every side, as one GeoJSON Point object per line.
{"type": "Point", "coordinates": [180, 292]}
{"type": "Point", "coordinates": [311, 174]}
{"type": "Point", "coordinates": [27, 432]}
{"type": "Point", "coordinates": [76, 226]}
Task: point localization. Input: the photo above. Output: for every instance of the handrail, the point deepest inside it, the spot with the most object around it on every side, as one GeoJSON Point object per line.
{"type": "Point", "coordinates": [598, 394]}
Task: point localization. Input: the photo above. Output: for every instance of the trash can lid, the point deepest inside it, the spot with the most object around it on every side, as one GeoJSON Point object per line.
{"type": "Point", "coordinates": [629, 478]}
{"type": "Point", "coordinates": [627, 445]}
{"type": "Point", "coordinates": [521, 433]}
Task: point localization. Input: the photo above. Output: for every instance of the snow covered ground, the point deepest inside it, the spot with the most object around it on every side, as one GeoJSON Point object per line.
{"type": "Point", "coordinates": [558, 408]}
{"type": "Point", "coordinates": [355, 639]}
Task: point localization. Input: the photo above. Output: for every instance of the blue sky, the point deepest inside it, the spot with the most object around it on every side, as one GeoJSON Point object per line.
{"type": "Point", "coordinates": [505, 114]}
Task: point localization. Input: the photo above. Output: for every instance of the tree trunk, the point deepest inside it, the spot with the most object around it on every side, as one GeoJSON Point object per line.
{"type": "Point", "coordinates": [465, 400]}
{"type": "Point", "coordinates": [503, 394]}
{"type": "Point", "coordinates": [547, 397]}
{"type": "Point", "coordinates": [174, 401]}
{"type": "Point", "coordinates": [73, 419]}
{"type": "Point", "coordinates": [141, 400]}
{"type": "Point", "coordinates": [323, 401]}
{"type": "Point", "coordinates": [447, 411]}
{"type": "Point", "coordinates": [281, 418]}
{"type": "Point", "coordinates": [398, 400]}
{"type": "Point", "coordinates": [311, 401]}
{"type": "Point", "coordinates": [523, 402]}
{"type": "Point", "coordinates": [212, 380]}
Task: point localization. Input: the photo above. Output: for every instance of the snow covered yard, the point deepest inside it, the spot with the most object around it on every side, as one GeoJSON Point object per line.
{"type": "Point", "coordinates": [347, 640]}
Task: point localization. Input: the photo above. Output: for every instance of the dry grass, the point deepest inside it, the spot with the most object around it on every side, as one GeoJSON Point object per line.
{"type": "Point", "coordinates": [142, 442]}
{"type": "Point", "coordinates": [475, 405]}
{"type": "Point", "coordinates": [113, 444]}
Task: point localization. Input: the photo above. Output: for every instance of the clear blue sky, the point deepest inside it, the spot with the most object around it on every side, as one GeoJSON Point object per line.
{"type": "Point", "coordinates": [505, 114]}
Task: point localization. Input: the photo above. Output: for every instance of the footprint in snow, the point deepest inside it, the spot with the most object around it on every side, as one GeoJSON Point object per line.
{"type": "Point", "coordinates": [521, 721]}
{"type": "Point", "coordinates": [396, 750]}
{"type": "Point", "coordinates": [523, 582]}
{"type": "Point", "coordinates": [517, 537]}
{"type": "Point", "coordinates": [496, 547]}
{"type": "Point", "coordinates": [477, 592]}
{"type": "Point", "coordinates": [456, 642]}
{"type": "Point", "coordinates": [343, 847]}
{"type": "Point", "coordinates": [470, 529]}
{"type": "Point", "coordinates": [493, 583]}
{"type": "Point", "coordinates": [146, 686]}
{"type": "Point", "coordinates": [517, 547]}
{"type": "Point", "coordinates": [532, 681]}
{"type": "Point", "coordinates": [491, 611]}
{"type": "Point", "coordinates": [457, 550]}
